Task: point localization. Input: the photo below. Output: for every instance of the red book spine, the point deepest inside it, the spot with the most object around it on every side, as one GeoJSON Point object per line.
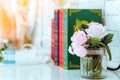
{"type": "Point", "coordinates": [52, 40]}
{"type": "Point", "coordinates": [60, 38]}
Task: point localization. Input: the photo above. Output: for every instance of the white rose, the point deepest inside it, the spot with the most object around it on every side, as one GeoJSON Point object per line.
{"type": "Point", "coordinates": [95, 30]}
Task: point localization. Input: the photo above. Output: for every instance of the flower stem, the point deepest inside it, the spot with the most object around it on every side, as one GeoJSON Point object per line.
{"type": "Point", "coordinates": [108, 51]}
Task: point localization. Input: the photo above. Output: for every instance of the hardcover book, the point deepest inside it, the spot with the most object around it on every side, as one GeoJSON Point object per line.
{"type": "Point", "coordinates": [60, 38]}
{"type": "Point", "coordinates": [56, 50]}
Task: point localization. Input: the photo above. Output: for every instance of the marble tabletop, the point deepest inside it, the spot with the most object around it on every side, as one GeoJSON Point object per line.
{"type": "Point", "coordinates": [45, 72]}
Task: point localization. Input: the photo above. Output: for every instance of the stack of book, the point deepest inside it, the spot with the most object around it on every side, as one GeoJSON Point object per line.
{"type": "Point", "coordinates": [62, 30]}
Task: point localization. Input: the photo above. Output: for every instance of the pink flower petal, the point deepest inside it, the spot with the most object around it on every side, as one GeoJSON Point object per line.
{"type": "Point", "coordinates": [80, 51]}
{"type": "Point", "coordinates": [79, 37]}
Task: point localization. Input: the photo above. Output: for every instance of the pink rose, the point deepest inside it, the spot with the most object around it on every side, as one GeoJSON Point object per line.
{"type": "Point", "coordinates": [77, 50]}
{"type": "Point", "coordinates": [80, 51]}
{"type": "Point", "coordinates": [79, 38]}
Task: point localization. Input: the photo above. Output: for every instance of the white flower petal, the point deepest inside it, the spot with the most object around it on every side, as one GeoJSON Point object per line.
{"type": "Point", "coordinates": [70, 50]}
{"type": "Point", "coordinates": [95, 29]}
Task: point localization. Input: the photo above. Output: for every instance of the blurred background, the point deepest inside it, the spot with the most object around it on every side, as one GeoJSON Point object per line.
{"type": "Point", "coordinates": [29, 21]}
{"type": "Point", "coordinates": [21, 22]}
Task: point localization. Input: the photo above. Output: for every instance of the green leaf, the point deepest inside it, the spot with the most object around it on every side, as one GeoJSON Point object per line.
{"type": "Point", "coordinates": [84, 22]}
{"type": "Point", "coordinates": [107, 39]}
{"type": "Point", "coordinates": [108, 51]}
{"type": "Point", "coordinates": [78, 23]}
{"type": "Point", "coordinates": [94, 41]}
{"type": "Point", "coordinates": [1, 57]}
{"type": "Point", "coordinates": [84, 26]}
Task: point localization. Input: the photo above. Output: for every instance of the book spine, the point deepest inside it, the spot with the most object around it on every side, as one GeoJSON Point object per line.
{"type": "Point", "coordinates": [56, 37]}
{"type": "Point", "coordinates": [65, 39]}
{"type": "Point", "coordinates": [61, 38]}
{"type": "Point", "coordinates": [52, 40]}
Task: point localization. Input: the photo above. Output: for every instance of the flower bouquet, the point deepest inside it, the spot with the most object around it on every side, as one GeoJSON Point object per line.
{"type": "Point", "coordinates": [90, 42]}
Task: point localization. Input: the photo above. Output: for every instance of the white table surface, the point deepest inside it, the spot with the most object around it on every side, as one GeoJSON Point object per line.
{"type": "Point", "coordinates": [45, 72]}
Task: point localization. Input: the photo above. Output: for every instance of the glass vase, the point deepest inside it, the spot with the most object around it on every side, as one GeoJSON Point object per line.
{"type": "Point", "coordinates": [94, 64]}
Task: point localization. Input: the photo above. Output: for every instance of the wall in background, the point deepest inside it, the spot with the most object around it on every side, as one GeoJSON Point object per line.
{"type": "Point", "coordinates": [112, 20]}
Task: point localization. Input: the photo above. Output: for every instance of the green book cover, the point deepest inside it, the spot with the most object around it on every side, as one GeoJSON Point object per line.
{"type": "Point", "coordinates": [84, 16]}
